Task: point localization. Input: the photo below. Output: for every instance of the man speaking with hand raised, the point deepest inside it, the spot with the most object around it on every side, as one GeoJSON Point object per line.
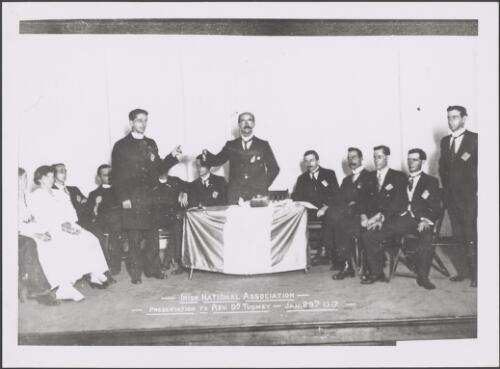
{"type": "Point", "coordinates": [252, 165]}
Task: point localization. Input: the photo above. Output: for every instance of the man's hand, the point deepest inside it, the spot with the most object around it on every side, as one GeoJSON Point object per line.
{"type": "Point", "coordinates": [177, 152]}
{"type": "Point", "coordinates": [321, 211]}
{"type": "Point", "coordinates": [364, 221]}
{"type": "Point", "coordinates": [127, 204]}
{"type": "Point", "coordinates": [45, 237]}
{"type": "Point", "coordinates": [183, 199]}
{"type": "Point", "coordinates": [424, 225]}
{"type": "Point", "coordinates": [375, 225]}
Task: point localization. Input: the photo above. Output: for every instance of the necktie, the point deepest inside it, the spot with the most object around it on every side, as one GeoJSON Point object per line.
{"type": "Point", "coordinates": [379, 179]}
{"type": "Point", "coordinates": [410, 183]}
{"type": "Point", "coordinates": [452, 148]}
{"type": "Point", "coordinates": [205, 182]}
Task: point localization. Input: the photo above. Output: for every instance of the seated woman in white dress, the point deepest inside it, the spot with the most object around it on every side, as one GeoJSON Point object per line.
{"type": "Point", "coordinates": [72, 252]}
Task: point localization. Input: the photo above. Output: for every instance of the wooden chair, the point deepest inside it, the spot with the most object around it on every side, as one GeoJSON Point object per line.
{"type": "Point", "coordinates": [403, 253]}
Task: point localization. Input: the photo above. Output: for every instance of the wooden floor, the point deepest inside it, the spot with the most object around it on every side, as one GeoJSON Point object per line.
{"type": "Point", "coordinates": [311, 310]}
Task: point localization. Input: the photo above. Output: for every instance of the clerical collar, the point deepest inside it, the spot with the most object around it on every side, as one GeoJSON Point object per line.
{"type": "Point", "coordinates": [358, 170]}
{"type": "Point", "coordinates": [247, 139]}
{"type": "Point", "coordinates": [383, 170]}
{"type": "Point", "coordinates": [458, 132]}
{"type": "Point", "coordinates": [105, 185]}
{"type": "Point", "coordinates": [205, 177]}
{"type": "Point", "coordinates": [416, 174]}
{"type": "Point", "coordinates": [138, 136]}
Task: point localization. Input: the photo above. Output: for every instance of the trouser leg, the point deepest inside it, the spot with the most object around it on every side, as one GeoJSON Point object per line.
{"type": "Point", "coordinates": [345, 231]}
{"type": "Point", "coordinates": [425, 254]}
{"type": "Point", "coordinates": [134, 261]}
{"type": "Point", "coordinates": [30, 270]}
{"type": "Point", "coordinates": [458, 228]}
{"type": "Point", "coordinates": [152, 252]}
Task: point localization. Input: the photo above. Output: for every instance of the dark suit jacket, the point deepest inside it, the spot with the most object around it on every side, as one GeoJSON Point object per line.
{"type": "Point", "coordinates": [108, 211]}
{"type": "Point", "coordinates": [213, 195]}
{"type": "Point", "coordinates": [251, 172]}
{"type": "Point", "coordinates": [166, 200]}
{"type": "Point", "coordinates": [136, 166]}
{"type": "Point", "coordinates": [391, 197]}
{"type": "Point", "coordinates": [74, 194]}
{"type": "Point", "coordinates": [352, 197]}
{"type": "Point", "coordinates": [459, 175]}
{"type": "Point", "coordinates": [318, 192]}
{"type": "Point", "coordinates": [426, 200]}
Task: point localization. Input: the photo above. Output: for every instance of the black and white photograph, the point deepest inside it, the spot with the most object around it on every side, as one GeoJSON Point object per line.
{"type": "Point", "coordinates": [215, 178]}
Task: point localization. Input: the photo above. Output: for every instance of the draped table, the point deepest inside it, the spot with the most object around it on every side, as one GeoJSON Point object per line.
{"type": "Point", "coordinates": [245, 240]}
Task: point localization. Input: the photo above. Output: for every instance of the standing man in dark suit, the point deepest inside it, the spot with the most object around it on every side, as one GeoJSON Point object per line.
{"type": "Point", "coordinates": [136, 166]}
{"type": "Point", "coordinates": [458, 172]}
{"type": "Point", "coordinates": [252, 165]}
{"type": "Point", "coordinates": [77, 198]}
{"type": "Point", "coordinates": [104, 210]}
{"type": "Point", "coordinates": [343, 216]}
{"type": "Point", "coordinates": [208, 189]}
{"type": "Point", "coordinates": [385, 199]}
{"type": "Point", "coordinates": [416, 215]}
{"type": "Point", "coordinates": [317, 186]}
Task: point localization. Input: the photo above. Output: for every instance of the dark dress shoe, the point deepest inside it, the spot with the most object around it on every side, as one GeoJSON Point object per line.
{"type": "Point", "coordinates": [110, 280]}
{"type": "Point", "coordinates": [99, 286]}
{"type": "Point", "coordinates": [372, 279]}
{"type": "Point", "coordinates": [425, 283]}
{"type": "Point", "coordinates": [47, 299]}
{"type": "Point", "coordinates": [136, 281]}
{"type": "Point", "coordinates": [343, 273]}
{"type": "Point", "coordinates": [457, 278]}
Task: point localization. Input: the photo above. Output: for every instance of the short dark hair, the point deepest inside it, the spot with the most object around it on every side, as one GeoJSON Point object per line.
{"type": "Point", "coordinates": [203, 163]}
{"type": "Point", "coordinates": [311, 152]}
{"type": "Point", "coordinates": [358, 151]}
{"type": "Point", "coordinates": [42, 172]}
{"type": "Point", "coordinates": [385, 149]}
{"type": "Point", "coordinates": [421, 153]}
{"type": "Point", "coordinates": [20, 172]}
{"type": "Point", "coordinates": [134, 113]}
{"type": "Point", "coordinates": [461, 109]}
{"type": "Point", "coordinates": [57, 164]}
{"type": "Point", "coordinates": [246, 113]}
{"type": "Point", "coordinates": [101, 167]}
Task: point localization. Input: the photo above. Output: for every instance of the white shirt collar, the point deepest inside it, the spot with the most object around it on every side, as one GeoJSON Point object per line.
{"type": "Point", "coordinates": [205, 177]}
{"type": "Point", "coordinates": [138, 136]}
{"type": "Point", "coordinates": [458, 132]}
{"type": "Point", "coordinates": [383, 171]}
{"type": "Point", "coordinates": [357, 170]}
{"type": "Point", "coordinates": [246, 139]}
{"type": "Point", "coordinates": [416, 174]}
{"type": "Point", "coordinates": [105, 185]}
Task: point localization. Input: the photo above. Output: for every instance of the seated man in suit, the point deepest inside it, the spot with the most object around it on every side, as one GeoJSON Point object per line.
{"type": "Point", "coordinates": [105, 215]}
{"type": "Point", "coordinates": [318, 186]}
{"type": "Point", "coordinates": [170, 197]}
{"type": "Point", "coordinates": [385, 196]}
{"type": "Point", "coordinates": [208, 189]}
{"type": "Point", "coordinates": [343, 216]}
{"type": "Point", "coordinates": [77, 198]}
{"type": "Point", "coordinates": [416, 215]}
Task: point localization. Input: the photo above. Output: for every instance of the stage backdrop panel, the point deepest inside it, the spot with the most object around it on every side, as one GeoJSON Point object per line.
{"type": "Point", "coordinates": [323, 93]}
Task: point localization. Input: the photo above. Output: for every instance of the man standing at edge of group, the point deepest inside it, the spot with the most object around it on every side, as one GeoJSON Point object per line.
{"type": "Point", "coordinates": [458, 172]}
{"type": "Point", "coordinates": [136, 165]}
{"type": "Point", "coordinates": [252, 165]}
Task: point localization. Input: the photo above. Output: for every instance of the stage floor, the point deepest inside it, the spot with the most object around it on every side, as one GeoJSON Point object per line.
{"type": "Point", "coordinates": [213, 300]}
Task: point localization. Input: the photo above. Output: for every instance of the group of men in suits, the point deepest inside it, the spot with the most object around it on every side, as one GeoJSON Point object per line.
{"type": "Point", "coordinates": [374, 207]}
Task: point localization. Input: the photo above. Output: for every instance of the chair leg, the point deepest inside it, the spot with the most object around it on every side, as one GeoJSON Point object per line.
{"type": "Point", "coordinates": [393, 263]}
{"type": "Point", "coordinates": [440, 267]}
{"type": "Point", "coordinates": [191, 273]}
